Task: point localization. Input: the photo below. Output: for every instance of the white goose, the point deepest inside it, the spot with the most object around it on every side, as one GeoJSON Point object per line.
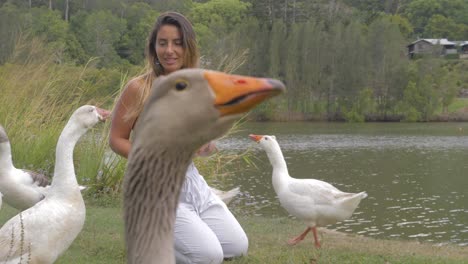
{"type": "Point", "coordinates": [316, 202]}
{"type": "Point", "coordinates": [43, 232]}
{"type": "Point", "coordinates": [185, 110]}
{"type": "Point", "coordinates": [21, 188]}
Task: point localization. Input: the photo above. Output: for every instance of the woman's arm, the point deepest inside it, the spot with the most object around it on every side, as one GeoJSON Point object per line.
{"type": "Point", "coordinates": [119, 135]}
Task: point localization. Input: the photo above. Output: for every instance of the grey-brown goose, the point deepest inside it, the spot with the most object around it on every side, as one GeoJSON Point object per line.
{"type": "Point", "coordinates": [21, 188]}
{"type": "Point", "coordinates": [40, 234]}
{"type": "Point", "coordinates": [185, 110]}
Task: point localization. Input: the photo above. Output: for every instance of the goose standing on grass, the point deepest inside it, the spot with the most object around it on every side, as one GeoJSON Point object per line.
{"type": "Point", "coordinates": [43, 232]}
{"type": "Point", "coordinates": [315, 202]}
{"type": "Point", "coordinates": [189, 108]}
{"type": "Point", "coordinates": [21, 188]}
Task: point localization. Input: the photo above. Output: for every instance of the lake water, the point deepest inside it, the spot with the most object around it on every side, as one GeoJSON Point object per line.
{"type": "Point", "coordinates": [416, 175]}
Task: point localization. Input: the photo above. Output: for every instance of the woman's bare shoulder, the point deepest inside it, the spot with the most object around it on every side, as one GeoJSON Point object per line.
{"type": "Point", "coordinates": [134, 86]}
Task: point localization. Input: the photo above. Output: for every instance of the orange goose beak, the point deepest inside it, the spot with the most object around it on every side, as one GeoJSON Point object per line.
{"type": "Point", "coordinates": [237, 94]}
{"type": "Point", "coordinates": [255, 138]}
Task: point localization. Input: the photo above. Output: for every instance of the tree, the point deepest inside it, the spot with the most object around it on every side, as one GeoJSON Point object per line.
{"type": "Point", "coordinates": [214, 20]}
{"type": "Point", "coordinates": [276, 49]}
{"type": "Point", "coordinates": [420, 11]}
{"type": "Point", "coordinates": [11, 26]}
{"type": "Point", "coordinates": [140, 19]}
{"type": "Point", "coordinates": [99, 33]}
{"type": "Point", "coordinates": [439, 26]}
{"type": "Point", "coordinates": [386, 50]}
{"type": "Point", "coordinates": [406, 29]}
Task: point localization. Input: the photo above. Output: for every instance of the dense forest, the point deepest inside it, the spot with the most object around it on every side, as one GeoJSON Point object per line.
{"type": "Point", "coordinates": [340, 59]}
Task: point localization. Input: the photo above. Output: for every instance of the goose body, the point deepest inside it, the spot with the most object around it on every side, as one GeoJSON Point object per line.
{"type": "Point", "coordinates": [21, 188]}
{"type": "Point", "coordinates": [185, 110]}
{"type": "Point", "coordinates": [40, 234]}
{"type": "Point", "coordinates": [315, 202]}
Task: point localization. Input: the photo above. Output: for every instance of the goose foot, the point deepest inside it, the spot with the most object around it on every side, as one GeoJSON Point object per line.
{"type": "Point", "coordinates": [317, 243]}
{"type": "Point", "coordinates": [299, 238]}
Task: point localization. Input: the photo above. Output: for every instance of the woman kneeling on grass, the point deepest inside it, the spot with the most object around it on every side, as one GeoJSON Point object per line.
{"type": "Point", "coordinates": [205, 230]}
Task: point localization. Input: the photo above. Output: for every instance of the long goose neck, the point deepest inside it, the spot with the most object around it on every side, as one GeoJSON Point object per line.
{"type": "Point", "coordinates": [276, 158]}
{"type": "Point", "coordinates": [150, 202]}
{"type": "Point", "coordinates": [280, 169]}
{"type": "Point", "coordinates": [64, 173]}
{"type": "Point", "coordinates": [5, 156]}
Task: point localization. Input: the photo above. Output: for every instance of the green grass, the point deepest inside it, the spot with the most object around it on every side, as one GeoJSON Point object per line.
{"type": "Point", "coordinates": [458, 104]}
{"type": "Point", "coordinates": [101, 241]}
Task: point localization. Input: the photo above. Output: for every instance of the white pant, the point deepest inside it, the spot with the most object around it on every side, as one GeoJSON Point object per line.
{"type": "Point", "coordinates": [207, 236]}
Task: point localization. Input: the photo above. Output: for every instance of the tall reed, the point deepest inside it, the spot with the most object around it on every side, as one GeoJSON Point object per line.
{"type": "Point", "coordinates": [37, 97]}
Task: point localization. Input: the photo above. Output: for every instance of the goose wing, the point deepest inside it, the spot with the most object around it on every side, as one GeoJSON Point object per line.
{"type": "Point", "coordinates": [38, 178]}
{"type": "Point", "coordinates": [316, 191]}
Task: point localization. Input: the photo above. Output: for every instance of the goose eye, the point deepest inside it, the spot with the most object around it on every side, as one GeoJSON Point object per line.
{"type": "Point", "coordinates": [266, 138]}
{"type": "Point", "coordinates": [181, 85]}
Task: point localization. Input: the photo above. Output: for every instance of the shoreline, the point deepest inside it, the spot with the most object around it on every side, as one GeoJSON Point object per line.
{"type": "Point", "coordinates": [336, 242]}
{"type": "Point", "coordinates": [459, 116]}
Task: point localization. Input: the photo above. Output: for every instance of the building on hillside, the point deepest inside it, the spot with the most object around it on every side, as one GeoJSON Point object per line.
{"type": "Point", "coordinates": [441, 47]}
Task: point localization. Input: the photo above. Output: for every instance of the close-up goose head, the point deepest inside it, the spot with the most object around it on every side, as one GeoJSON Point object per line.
{"type": "Point", "coordinates": [186, 109]}
{"type": "Point", "coordinates": [196, 103]}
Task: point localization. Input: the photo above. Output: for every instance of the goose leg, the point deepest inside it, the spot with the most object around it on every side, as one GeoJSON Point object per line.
{"type": "Point", "coordinates": [299, 238]}
{"type": "Point", "coordinates": [317, 243]}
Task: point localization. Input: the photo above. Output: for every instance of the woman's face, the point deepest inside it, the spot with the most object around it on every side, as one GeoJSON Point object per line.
{"type": "Point", "coordinates": [169, 48]}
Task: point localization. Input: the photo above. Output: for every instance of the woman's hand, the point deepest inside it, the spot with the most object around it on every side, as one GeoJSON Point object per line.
{"type": "Point", "coordinates": [207, 149]}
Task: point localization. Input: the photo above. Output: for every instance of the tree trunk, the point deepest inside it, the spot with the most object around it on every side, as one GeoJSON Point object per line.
{"type": "Point", "coordinates": [286, 11]}
{"type": "Point", "coordinates": [50, 4]}
{"type": "Point", "coordinates": [66, 10]}
{"type": "Point", "coordinates": [294, 12]}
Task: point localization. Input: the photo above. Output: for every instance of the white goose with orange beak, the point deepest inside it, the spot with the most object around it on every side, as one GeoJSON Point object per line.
{"type": "Point", "coordinates": [315, 202]}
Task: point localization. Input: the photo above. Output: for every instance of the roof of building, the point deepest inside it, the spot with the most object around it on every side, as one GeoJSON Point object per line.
{"type": "Point", "coordinates": [436, 41]}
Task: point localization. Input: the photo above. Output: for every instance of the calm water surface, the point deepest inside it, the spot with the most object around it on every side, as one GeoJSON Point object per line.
{"type": "Point", "coordinates": [416, 175]}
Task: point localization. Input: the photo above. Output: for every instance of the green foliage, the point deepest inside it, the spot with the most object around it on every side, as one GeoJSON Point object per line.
{"type": "Point", "coordinates": [98, 33]}
{"type": "Point", "coordinates": [452, 56]}
{"type": "Point", "coordinates": [11, 25]}
{"type": "Point", "coordinates": [439, 26]}
{"type": "Point", "coordinates": [429, 16]}
{"type": "Point", "coordinates": [364, 105]}
{"type": "Point", "coordinates": [276, 49]}
{"type": "Point", "coordinates": [140, 19]}
{"type": "Point", "coordinates": [37, 99]}
{"type": "Point", "coordinates": [221, 16]}
{"type": "Point", "coordinates": [214, 21]}
{"type": "Point", "coordinates": [430, 87]}
{"type": "Point", "coordinates": [406, 29]}
{"type": "Point", "coordinates": [325, 51]}
{"type": "Point", "coordinates": [411, 99]}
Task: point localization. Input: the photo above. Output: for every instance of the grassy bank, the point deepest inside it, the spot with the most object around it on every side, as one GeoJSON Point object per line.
{"type": "Point", "coordinates": [101, 241]}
